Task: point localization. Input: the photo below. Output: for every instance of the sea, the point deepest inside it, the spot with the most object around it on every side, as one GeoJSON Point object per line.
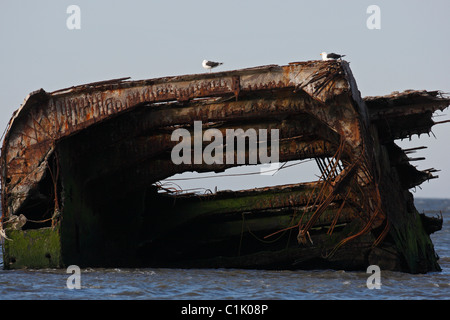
{"type": "Point", "coordinates": [236, 284]}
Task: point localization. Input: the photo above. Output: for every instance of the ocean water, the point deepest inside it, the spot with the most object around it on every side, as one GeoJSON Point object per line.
{"type": "Point", "coordinates": [237, 284]}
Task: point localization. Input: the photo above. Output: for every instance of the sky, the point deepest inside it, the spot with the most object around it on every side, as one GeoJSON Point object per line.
{"type": "Point", "coordinates": [148, 39]}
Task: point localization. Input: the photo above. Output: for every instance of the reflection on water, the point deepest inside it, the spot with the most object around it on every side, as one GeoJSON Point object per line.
{"type": "Point", "coordinates": [195, 284]}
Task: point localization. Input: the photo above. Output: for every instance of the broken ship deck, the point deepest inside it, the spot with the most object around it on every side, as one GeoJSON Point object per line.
{"type": "Point", "coordinates": [81, 168]}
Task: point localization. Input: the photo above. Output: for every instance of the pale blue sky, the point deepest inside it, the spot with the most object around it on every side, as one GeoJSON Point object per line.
{"type": "Point", "coordinates": [147, 39]}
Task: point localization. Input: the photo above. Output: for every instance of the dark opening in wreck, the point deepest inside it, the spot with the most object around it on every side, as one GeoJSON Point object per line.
{"type": "Point", "coordinates": [82, 170]}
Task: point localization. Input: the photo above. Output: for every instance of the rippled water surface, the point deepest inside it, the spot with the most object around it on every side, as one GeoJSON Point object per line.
{"type": "Point", "coordinates": [195, 284]}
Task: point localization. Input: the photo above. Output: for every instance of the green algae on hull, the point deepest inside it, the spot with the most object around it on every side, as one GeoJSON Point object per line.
{"type": "Point", "coordinates": [33, 248]}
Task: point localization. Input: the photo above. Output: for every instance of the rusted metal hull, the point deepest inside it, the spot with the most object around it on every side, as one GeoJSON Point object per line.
{"type": "Point", "coordinates": [86, 161]}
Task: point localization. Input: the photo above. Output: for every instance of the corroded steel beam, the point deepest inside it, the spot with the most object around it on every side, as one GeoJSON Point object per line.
{"type": "Point", "coordinates": [266, 209]}
{"type": "Point", "coordinates": [406, 103]}
{"type": "Point", "coordinates": [402, 114]}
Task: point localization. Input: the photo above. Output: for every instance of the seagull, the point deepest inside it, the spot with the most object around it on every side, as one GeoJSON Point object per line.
{"type": "Point", "coordinates": [210, 64]}
{"type": "Point", "coordinates": [331, 56]}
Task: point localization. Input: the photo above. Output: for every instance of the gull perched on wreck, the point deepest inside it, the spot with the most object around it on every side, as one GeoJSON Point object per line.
{"type": "Point", "coordinates": [210, 64]}
{"type": "Point", "coordinates": [331, 56]}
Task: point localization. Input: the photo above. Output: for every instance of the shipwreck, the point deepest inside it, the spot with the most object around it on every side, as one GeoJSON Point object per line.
{"type": "Point", "coordinates": [81, 172]}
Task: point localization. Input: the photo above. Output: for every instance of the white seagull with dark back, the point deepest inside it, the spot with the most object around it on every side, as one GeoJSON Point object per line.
{"type": "Point", "coordinates": [331, 56]}
{"type": "Point", "coordinates": [210, 64]}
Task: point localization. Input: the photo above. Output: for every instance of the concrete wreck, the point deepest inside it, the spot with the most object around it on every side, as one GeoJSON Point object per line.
{"type": "Point", "coordinates": [81, 171]}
